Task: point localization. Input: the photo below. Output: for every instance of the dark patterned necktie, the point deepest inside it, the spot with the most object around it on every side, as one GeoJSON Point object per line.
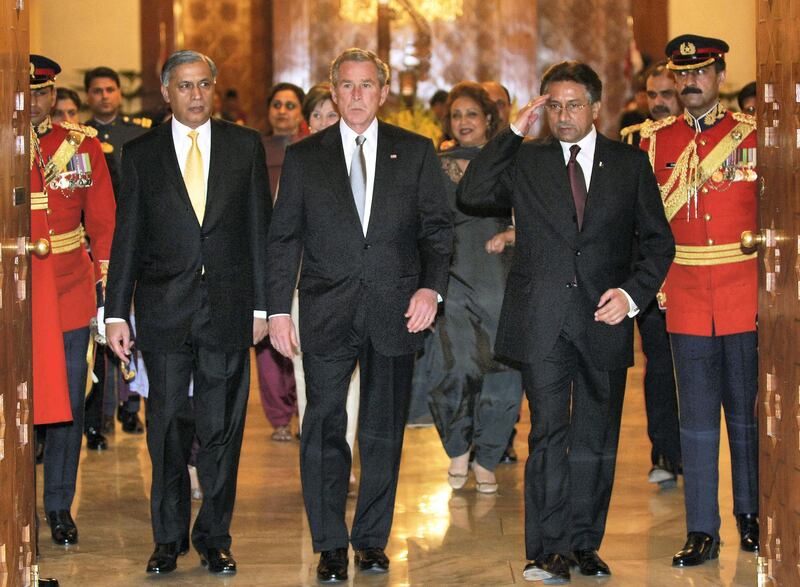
{"type": "Point", "coordinates": [577, 182]}
{"type": "Point", "coordinates": [358, 177]}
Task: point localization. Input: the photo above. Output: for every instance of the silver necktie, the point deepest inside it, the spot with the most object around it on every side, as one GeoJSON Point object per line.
{"type": "Point", "coordinates": [358, 177]}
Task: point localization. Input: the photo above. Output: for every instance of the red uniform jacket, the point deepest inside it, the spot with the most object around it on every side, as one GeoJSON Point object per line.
{"type": "Point", "coordinates": [712, 285]}
{"type": "Point", "coordinates": [50, 390]}
{"type": "Point", "coordinates": [84, 186]}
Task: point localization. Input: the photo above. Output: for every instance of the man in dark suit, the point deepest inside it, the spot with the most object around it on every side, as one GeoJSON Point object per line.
{"type": "Point", "coordinates": [191, 241]}
{"type": "Point", "coordinates": [579, 200]}
{"type": "Point", "coordinates": [376, 250]}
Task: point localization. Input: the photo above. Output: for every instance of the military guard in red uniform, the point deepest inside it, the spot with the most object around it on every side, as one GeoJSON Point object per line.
{"type": "Point", "coordinates": [74, 183]}
{"type": "Point", "coordinates": [705, 163]}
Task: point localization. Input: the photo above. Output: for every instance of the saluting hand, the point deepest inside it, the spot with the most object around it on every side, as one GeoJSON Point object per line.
{"type": "Point", "coordinates": [528, 115]}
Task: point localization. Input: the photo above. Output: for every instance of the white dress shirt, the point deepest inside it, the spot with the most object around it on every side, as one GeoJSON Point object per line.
{"type": "Point", "coordinates": [370, 156]}
{"type": "Point", "coordinates": [585, 155]}
{"type": "Point", "coordinates": [585, 159]}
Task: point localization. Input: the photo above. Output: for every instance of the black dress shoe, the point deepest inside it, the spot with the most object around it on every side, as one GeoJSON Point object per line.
{"type": "Point", "coordinates": [372, 560]}
{"type": "Point", "coordinates": [57, 530]}
{"type": "Point", "coordinates": [332, 566]}
{"type": "Point", "coordinates": [218, 560]}
{"type": "Point", "coordinates": [510, 454]}
{"type": "Point", "coordinates": [748, 531]}
{"type": "Point", "coordinates": [95, 440]}
{"type": "Point", "coordinates": [590, 564]}
{"type": "Point", "coordinates": [183, 547]}
{"type": "Point", "coordinates": [164, 558]}
{"type": "Point", "coordinates": [131, 423]}
{"type": "Point", "coordinates": [69, 525]}
{"type": "Point", "coordinates": [47, 582]}
{"type": "Point", "coordinates": [699, 548]}
{"type": "Point", "coordinates": [62, 527]}
{"type": "Point", "coordinates": [551, 569]}
{"type": "Point", "coordinates": [107, 425]}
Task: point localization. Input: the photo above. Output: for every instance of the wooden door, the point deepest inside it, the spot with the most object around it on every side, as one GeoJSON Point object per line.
{"type": "Point", "coordinates": [17, 494]}
{"type": "Point", "coordinates": [778, 76]}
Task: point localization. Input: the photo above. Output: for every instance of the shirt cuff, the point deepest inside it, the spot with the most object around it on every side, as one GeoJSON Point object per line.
{"type": "Point", "coordinates": [516, 131]}
{"type": "Point", "coordinates": [260, 314]}
{"type": "Point", "coordinates": [114, 320]}
{"type": "Point", "coordinates": [634, 309]}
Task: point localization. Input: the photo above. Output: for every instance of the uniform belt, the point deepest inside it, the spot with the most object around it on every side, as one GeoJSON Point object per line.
{"type": "Point", "coordinates": [66, 242]}
{"type": "Point", "coordinates": [711, 255]}
{"type": "Point", "coordinates": [38, 201]}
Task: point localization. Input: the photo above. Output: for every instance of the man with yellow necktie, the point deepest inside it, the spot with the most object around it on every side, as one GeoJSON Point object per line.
{"type": "Point", "coordinates": [191, 233]}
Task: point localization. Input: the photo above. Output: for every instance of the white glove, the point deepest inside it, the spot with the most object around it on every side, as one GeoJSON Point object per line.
{"type": "Point", "coordinates": [101, 323]}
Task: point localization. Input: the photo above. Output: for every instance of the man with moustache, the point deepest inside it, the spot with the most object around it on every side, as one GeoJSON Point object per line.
{"type": "Point", "coordinates": [705, 164]}
{"type": "Point", "coordinates": [71, 197]}
{"type": "Point", "coordinates": [364, 204]}
{"type": "Point", "coordinates": [580, 199]}
{"type": "Point", "coordinates": [662, 100]}
{"type": "Point", "coordinates": [191, 242]}
{"type": "Point", "coordinates": [661, 402]}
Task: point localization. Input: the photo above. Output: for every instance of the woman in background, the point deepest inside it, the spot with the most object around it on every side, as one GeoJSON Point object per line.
{"type": "Point", "coordinates": [474, 400]}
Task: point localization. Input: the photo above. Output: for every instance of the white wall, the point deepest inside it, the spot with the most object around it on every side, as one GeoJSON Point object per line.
{"type": "Point", "coordinates": [734, 21]}
{"type": "Point", "coordinates": [81, 34]}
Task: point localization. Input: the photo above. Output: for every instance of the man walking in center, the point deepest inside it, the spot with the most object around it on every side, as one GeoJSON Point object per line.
{"type": "Point", "coordinates": [191, 241]}
{"type": "Point", "coordinates": [364, 203]}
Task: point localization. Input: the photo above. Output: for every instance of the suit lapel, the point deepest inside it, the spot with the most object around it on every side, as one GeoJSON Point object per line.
{"type": "Point", "coordinates": [561, 200]}
{"type": "Point", "coordinates": [384, 177]}
{"type": "Point", "coordinates": [597, 188]}
{"type": "Point", "coordinates": [335, 168]}
{"type": "Point", "coordinates": [169, 162]}
{"type": "Point", "coordinates": [216, 169]}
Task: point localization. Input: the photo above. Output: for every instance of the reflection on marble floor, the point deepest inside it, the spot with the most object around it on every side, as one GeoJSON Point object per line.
{"type": "Point", "coordinates": [440, 537]}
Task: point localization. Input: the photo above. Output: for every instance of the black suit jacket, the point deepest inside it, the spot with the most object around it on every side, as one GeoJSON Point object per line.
{"type": "Point", "coordinates": [159, 248]}
{"type": "Point", "coordinates": [623, 201]}
{"type": "Point", "coordinates": [407, 246]}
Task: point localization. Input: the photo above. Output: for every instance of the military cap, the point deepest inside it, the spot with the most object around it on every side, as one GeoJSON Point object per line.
{"type": "Point", "coordinates": [694, 52]}
{"type": "Point", "coordinates": [43, 72]}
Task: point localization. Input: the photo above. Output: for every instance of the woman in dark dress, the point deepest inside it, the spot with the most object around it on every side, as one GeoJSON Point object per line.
{"type": "Point", "coordinates": [473, 398]}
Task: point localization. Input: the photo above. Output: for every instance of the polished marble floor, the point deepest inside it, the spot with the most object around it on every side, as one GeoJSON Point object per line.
{"type": "Point", "coordinates": [440, 537]}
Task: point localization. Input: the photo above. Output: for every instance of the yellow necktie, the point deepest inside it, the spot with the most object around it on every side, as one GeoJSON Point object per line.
{"type": "Point", "coordinates": [194, 178]}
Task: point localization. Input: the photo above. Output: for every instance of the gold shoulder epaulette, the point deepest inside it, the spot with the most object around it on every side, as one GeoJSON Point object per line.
{"type": "Point", "coordinates": [142, 121]}
{"type": "Point", "coordinates": [628, 130]}
{"type": "Point", "coordinates": [108, 148]}
{"type": "Point", "coordinates": [81, 128]}
{"type": "Point", "coordinates": [744, 117]}
{"type": "Point", "coordinates": [649, 127]}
